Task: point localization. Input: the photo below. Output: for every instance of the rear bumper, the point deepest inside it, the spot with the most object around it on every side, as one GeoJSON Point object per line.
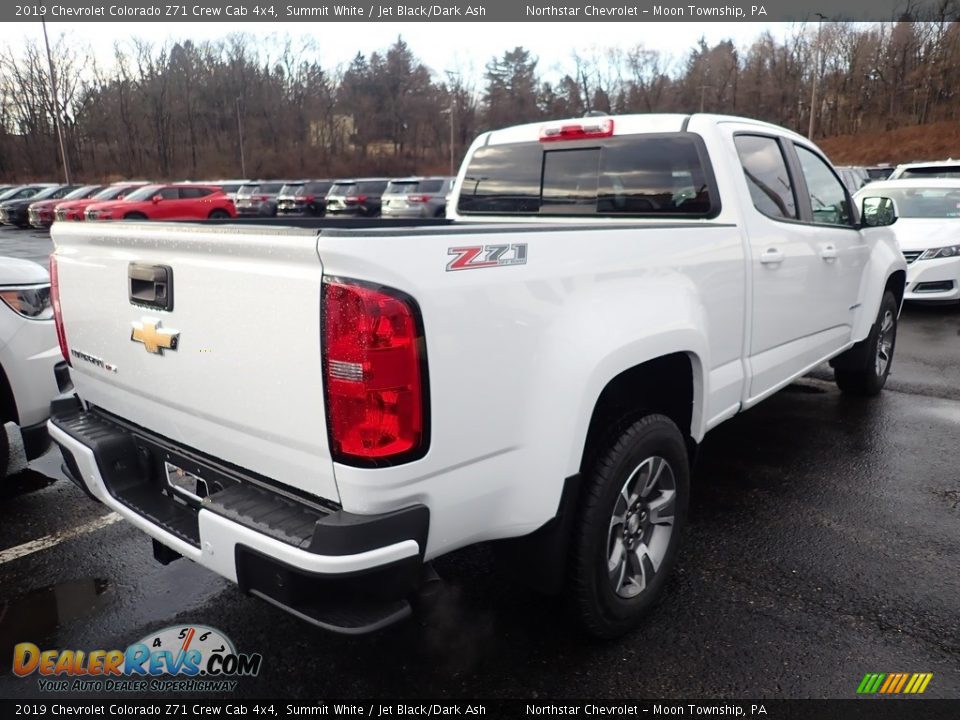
{"type": "Point", "coordinates": [342, 572]}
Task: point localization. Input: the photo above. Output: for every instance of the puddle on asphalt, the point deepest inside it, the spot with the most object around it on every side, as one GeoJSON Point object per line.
{"type": "Point", "coordinates": [35, 616]}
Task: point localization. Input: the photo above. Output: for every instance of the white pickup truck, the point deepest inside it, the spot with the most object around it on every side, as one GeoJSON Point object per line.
{"type": "Point", "coordinates": [315, 413]}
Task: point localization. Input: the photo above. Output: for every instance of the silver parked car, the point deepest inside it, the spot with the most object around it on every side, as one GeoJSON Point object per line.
{"type": "Point", "coordinates": [259, 198]}
{"type": "Point", "coordinates": [423, 197]}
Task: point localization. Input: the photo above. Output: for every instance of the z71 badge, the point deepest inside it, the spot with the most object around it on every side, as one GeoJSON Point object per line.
{"type": "Point", "coordinates": [486, 256]}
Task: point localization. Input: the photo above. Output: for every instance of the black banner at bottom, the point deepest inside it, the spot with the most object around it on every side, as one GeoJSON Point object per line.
{"type": "Point", "coordinates": [387, 709]}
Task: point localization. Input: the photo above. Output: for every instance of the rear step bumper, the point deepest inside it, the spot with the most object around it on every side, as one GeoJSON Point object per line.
{"type": "Point", "coordinates": [340, 571]}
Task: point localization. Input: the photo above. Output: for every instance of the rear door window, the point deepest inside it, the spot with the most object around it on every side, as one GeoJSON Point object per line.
{"type": "Point", "coordinates": [767, 177]}
{"type": "Point", "coordinates": [193, 193]}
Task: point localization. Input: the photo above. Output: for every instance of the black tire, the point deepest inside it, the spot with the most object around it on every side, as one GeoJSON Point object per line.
{"type": "Point", "coordinates": [218, 214]}
{"type": "Point", "coordinates": [135, 216]}
{"type": "Point", "coordinates": [870, 374]}
{"type": "Point", "coordinates": [602, 600]}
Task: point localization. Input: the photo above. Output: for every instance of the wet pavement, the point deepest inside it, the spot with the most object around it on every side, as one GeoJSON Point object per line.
{"type": "Point", "coordinates": [823, 544]}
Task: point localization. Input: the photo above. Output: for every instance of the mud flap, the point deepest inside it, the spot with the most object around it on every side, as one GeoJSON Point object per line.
{"type": "Point", "coordinates": [13, 452]}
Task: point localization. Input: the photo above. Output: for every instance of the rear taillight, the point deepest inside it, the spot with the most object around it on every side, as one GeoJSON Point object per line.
{"type": "Point", "coordinates": [418, 198]}
{"type": "Point", "coordinates": [375, 375]}
{"type": "Point", "coordinates": [355, 199]}
{"type": "Point", "coordinates": [55, 301]}
{"type": "Point", "coordinates": [261, 198]}
{"type": "Point", "coordinates": [309, 198]}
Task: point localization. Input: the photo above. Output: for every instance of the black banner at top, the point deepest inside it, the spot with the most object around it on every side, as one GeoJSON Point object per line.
{"type": "Point", "coordinates": [52, 706]}
{"type": "Point", "coordinates": [598, 11]}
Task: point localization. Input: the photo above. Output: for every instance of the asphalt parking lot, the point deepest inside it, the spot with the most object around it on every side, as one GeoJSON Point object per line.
{"type": "Point", "coordinates": [823, 544]}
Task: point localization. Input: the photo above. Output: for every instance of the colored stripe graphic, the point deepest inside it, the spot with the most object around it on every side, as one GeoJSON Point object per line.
{"type": "Point", "coordinates": [894, 683]}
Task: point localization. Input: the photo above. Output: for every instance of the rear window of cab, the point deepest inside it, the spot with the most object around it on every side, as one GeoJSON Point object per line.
{"type": "Point", "coordinates": [653, 175]}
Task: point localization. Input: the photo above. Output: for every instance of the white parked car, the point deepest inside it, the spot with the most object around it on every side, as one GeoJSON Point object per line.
{"type": "Point", "coordinates": [928, 232]}
{"type": "Point", "coordinates": [29, 356]}
{"type": "Point", "coordinates": [927, 170]}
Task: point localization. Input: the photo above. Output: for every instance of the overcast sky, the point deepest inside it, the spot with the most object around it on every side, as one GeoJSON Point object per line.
{"type": "Point", "coordinates": [441, 46]}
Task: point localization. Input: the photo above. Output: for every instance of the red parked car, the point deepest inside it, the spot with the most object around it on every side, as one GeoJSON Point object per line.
{"type": "Point", "coordinates": [41, 213]}
{"type": "Point", "coordinates": [74, 209]}
{"type": "Point", "coordinates": [167, 202]}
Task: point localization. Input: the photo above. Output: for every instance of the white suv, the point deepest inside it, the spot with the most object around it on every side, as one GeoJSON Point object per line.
{"type": "Point", "coordinates": [29, 356]}
{"type": "Point", "coordinates": [927, 170]}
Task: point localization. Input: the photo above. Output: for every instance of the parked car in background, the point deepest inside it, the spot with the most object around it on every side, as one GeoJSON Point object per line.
{"type": "Point", "coordinates": [75, 209]}
{"type": "Point", "coordinates": [42, 213]}
{"type": "Point", "coordinates": [423, 197]}
{"type": "Point", "coordinates": [356, 197]}
{"type": "Point", "coordinates": [167, 202]}
{"type": "Point", "coordinates": [286, 195]}
{"type": "Point", "coordinates": [939, 169]}
{"type": "Point", "coordinates": [853, 177]}
{"type": "Point", "coordinates": [20, 192]}
{"type": "Point", "coordinates": [229, 187]}
{"type": "Point", "coordinates": [309, 199]}
{"type": "Point", "coordinates": [879, 172]}
{"type": "Point", "coordinates": [32, 369]}
{"type": "Point", "coordinates": [15, 212]}
{"type": "Point", "coordinates": [259, 198]}
{"type": "Point", "coordinates": [928, 232]}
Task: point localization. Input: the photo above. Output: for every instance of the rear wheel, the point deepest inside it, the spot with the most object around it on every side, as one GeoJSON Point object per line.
{"type": "Point", "coordinates": [218, 214]}
{"type": "Point", "coordinates": [134, 216]}
{"type": "Point", "coordinates": [871, 375]}
{"type": "Point", "coordinates": [625, 544]}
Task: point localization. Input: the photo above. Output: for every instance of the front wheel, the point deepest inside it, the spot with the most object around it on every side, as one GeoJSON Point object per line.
{"type": "Point", "coordinates": [625, 544]}
{"type": "Point", "coordinates": [135, 216]}
{"type": "Point", "coordinates": [869, 377]}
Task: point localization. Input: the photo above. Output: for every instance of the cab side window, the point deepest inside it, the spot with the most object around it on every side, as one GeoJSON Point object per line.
{"type": "Point", "coordinates": [767, 177]}
{"type": "Point", "coordinates": [192, 193]}
{"type": "Point", "coordinates": [828, 198]}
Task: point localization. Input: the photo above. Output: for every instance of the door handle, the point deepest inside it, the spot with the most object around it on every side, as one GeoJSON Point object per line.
{"type": "Point", "coordinates": [828, 252]}
{"type": "Point", "coordinates": [772, 256]}
{"type": "Point", "coordinates": [151, 285]}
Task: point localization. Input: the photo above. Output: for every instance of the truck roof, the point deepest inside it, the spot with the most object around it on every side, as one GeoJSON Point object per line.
{"type": "Point", "coordinates": [629, 125]}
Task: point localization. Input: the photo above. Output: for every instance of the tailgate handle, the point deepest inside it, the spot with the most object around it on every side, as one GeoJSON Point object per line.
{"type": "Point", "coordinates": [151, 285]}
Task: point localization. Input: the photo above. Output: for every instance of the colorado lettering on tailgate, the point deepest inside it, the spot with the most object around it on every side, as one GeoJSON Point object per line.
{"type": "Point", "coordinates": [484, 256]}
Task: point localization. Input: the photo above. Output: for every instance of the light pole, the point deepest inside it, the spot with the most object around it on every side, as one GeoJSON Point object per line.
{"type": "Point", "coordinates": [703, 89]}
{"type": "Point", "coordinates": [243, 160]}
{"type": "Point", "coordinates": [816, 75]}
{"type": "Point", "coordinates": [56, 107]}
{"type": "Point", "coordinates": [451, 74]}
{"type": "Point", "coordinates": [451, 111]}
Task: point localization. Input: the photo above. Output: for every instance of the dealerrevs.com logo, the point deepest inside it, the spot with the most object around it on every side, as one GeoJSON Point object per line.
{"type": "Point", "coordinates": [179, 658]}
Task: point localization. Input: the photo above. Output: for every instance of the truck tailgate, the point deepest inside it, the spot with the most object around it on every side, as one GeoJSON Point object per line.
{"type": "Point", "coordinates": [240, 376]}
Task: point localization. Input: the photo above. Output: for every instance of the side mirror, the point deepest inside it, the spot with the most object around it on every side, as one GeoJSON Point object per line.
{"type": "Point", "coordinates": [156, 199]}
{"type": "Point", "coordinates": [878, 212]}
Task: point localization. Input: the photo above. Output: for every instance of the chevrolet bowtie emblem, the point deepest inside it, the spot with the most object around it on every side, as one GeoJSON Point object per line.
{"type": "Point", "coordinates": [154, 339]}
